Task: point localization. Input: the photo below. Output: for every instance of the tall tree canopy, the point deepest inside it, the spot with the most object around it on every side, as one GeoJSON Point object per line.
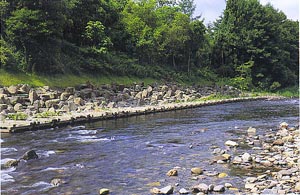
{"type": "Point", "coordinates": [252, 44]}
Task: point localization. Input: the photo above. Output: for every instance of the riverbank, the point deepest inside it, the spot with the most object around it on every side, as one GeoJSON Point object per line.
{"type": "Point", "coordinates": [272, 165]}
{"type": "Point", "coordinates": [24, 108]}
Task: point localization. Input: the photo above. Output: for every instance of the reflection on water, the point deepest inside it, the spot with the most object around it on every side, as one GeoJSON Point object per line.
{"type": "Point", "coordinates": [128, 155]}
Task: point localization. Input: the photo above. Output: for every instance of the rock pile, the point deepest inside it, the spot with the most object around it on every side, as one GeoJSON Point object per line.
{"type": "Point", "coordinates": [25, 99]}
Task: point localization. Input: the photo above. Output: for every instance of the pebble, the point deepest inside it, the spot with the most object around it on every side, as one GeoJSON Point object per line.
{"type": "Point", "coordinates": [231, 143]}
{"type": "Point", "coordinates": [167, 190]}
{"type": "Point", "coordinates": [183, 191]}
{"type": "Point", "coordinates": [228, 185]}
{"type": "Point", "coordinates": [202, 187]}
{"type": "Point", "coordinates": [196, 171]}
{"type": "Point", "coordinates": [222, 175]}
{"type": "Point", "coordinates": [246, 157]}
{"type": "Point", "coordinates": [237, 160]}
{"type": "Point", "coordinates": [172, 172]}
{"type": "Point", "coordinates": [219, 188]}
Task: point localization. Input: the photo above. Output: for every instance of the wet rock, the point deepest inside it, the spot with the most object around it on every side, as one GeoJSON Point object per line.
{"type": "Point", "coordinates": [222, 175]}
{"type": "Point", "coordinates": [172, 172]}
{"type": "Point", "coordinates": [196, 171]}
{"type": "Point", "coordinates": [104, 191]}
{"type": "Point", "coordinates": [228, 185]}
{"type": "Point", "coordinates": [31, 154]}
{"type": "Point", "coordinates": [202, 187]}
{"type": "Point", "coordinates": [211, 187]}
{"type": "Point", "coordinates": [56, 182]}
{"type": "Point", "coordinates": [167, 190]}
{"type": "Point", "coordinates": [11, 163]}
{"type": "Point", "coordinates": [155, 191]}
{"type": "Point", "coordinates": [219, 188]}
{"type": "Point", "coordinates": [183, 191]}
{"type": "Point", "coordinates": [231, 143]}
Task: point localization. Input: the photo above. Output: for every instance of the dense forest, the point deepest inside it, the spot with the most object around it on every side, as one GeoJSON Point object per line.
{"type": "Point", "coordinates": [253, 45]}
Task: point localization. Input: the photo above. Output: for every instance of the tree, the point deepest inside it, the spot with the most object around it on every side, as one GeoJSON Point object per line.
{"type": "Point", "coordinates": [249, 31]}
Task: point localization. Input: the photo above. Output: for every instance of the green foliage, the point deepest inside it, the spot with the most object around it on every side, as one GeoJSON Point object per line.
{"type": "Point", "coordinates": [47, 114]}
{"type": "Point", "coordinates": [17, 116]}
{"type": "Point", "coordinates": [250, 45]}
{"type": "Point", "coordinates": [275, 85]}
{"type": "Point", "coordinates": [249, 31]}
{"type": "Point", "coordinates": [244, 79]}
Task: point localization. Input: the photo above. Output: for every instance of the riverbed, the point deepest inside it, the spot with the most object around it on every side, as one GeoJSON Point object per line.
{"type": "Point", "coordinates": [132, 155]}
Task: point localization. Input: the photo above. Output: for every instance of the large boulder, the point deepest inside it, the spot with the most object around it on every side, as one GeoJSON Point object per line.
{"type": "Point", "coordinates": [52, 103]}
{"type": "Point", "coordinates": [18, 107]}
{"type": "Point", "coordinates": [11, 163]}
{"type": "Point", "coordinates": [24, 89]}
{"type": "Point", "coordinates": [4, 99]}
{"type": "Point", "coordinates": [13, 90]}
{"type": "Point", "coordinates": [31, 154]}
{"type": "Point", "coordinates": [32, 96]}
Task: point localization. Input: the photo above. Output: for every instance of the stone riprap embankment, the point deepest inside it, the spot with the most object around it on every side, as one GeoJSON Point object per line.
{"type": "Point", "coordinates": [25, 108]}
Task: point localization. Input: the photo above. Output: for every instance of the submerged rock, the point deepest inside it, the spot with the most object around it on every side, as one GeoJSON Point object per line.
{"type": "Point", "coordinates": [172, 172]}
{"type": "Point", "coordinates": [196, 171]}
{"type": "Point", "coordinates": [11, 163]}
{"type": "Point", "coordinates": [56, 182]}
{"type": "Point", "coordinates": [104, 191]}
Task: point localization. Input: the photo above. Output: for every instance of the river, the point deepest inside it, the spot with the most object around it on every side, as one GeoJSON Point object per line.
{"type": "Point", "coordinates": [131, 155]}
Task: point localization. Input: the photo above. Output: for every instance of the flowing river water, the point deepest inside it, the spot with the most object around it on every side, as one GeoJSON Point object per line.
{"type": "Point", "coordinates": [131, 155]}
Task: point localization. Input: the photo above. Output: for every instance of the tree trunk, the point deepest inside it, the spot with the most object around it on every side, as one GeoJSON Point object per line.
{"type": "Point", "coordinates": [174, 65]}
{"type": "Point", "coordinates": [189, 62]}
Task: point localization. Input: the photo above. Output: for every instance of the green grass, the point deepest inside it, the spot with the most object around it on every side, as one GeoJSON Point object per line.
{"type": "Point", "coordinates": [67, 80]}
{"type": "Point", "coordinates": [290, 92]}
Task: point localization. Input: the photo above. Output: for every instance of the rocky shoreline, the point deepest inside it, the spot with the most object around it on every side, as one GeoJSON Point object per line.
{"type": "Point", "coordinates": [25, 108]}
{"type": "Point", "coordinates": [273, 165]}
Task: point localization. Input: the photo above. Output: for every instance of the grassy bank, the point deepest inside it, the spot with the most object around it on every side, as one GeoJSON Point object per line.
{"type": "Point", "coordinates": [66, 80]}
{"type": "Point", "coordinates": [69, 80]}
